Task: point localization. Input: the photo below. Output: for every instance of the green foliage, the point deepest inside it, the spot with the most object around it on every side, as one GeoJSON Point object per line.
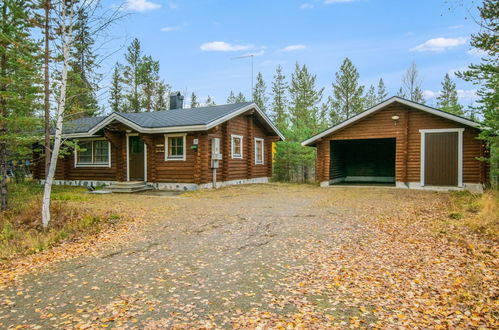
{"type": "Point", "coordinates": [82, 78]}
{"type": "Point", "coordinates": [20, 91]}
{"type": "Point", "coordinates": [347, 99]}
{"type": "Point", "coordinates": [381, 94]}
{"type": "Point", "coordinates": [447, 100]}
{"type": "Point", "coordinates": [486, 75]}
{"type": "Point", "coordinates": [279, 100]}
{"type": "Point", "coordinates": [116, 90]}
{"type": "Point", "coordinates": [232, 98]}
{"type": "Point", "coordinates": [260, 93]}
{"type": "Point", "coordinates": [209, 102]}
{"type": "Point", "coordinates": [240, 98]}
{"type": "Point", "coordinates": [194, 100]}
{"type": "Point", "coordinates": [370, 97]}
{"type": "Point", "coordinates": [132, 76]}
{"type": "Point", "coordinates": [149, 80]}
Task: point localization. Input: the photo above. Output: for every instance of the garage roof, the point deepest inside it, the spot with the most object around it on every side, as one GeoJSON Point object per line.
{"type": "Point", "coordinates": [380, 106]}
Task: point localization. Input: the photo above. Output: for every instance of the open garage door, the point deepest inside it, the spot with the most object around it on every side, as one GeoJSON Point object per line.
{"type": "Point", "coordinates": [363, 161]}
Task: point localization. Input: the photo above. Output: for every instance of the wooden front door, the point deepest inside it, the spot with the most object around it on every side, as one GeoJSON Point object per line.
{"type": "Point", "coordinates": [136, 155]}
{"type": "Point", "coordinates": [441, 159]}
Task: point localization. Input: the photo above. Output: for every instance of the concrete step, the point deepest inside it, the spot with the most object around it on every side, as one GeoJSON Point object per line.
{"type": "Point", "coordinates": [128, 187]}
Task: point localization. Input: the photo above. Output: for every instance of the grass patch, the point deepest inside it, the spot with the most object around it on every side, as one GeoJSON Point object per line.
{"type": "Point", "coordinates": [21, 232]}
{"type": "Point", "coordinates": [479, 213]}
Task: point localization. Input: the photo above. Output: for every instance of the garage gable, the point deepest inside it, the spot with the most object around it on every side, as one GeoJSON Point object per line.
{"type": "Point", "coordinates": [311, 141]}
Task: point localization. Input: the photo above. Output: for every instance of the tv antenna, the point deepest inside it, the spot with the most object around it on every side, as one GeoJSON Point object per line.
{"type": "Point", "coordinates": [246, 56]}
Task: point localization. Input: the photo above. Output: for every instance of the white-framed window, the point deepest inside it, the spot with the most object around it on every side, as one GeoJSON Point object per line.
{"type": "Point", "coordinates": [237, 146]}
{"type": "Point", "coordinates": [175, 146]}
{"type": "Point", "coordinates": [259, 151]}
{"type": "Point", "coordinates": [93, 153]}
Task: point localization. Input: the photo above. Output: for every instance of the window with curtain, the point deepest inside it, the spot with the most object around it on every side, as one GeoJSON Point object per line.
{"type": "Point", "coordinates": [94, 152]}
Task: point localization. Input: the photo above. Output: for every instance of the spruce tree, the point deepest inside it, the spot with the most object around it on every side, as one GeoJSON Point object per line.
{"type": "Point", "coordinates": [82, 78]}
{"type": "Point", "coordinates": [116, 89]}
{"type": "Point", "coordinates": [132, 76]}
{"type": "Point", "coordinates": [370, 98]}
{"type": "Point", "coordinates": [304, 112]}
{"type": "Point", "coordinates": [411, 84]}
{"type": "Point", "coordinates": [260, 93]}
{"type": "Point", "coordinates": [279, 100]}
{"type": "Point", "coordinates": [232, 98]}
{"type": "Point", "coordinates": [347, 98]}
{"type": "Point", "coordinates": [381, 93]}
{"type": "Point", "coordinates": [486, 75]}
{"type": "Point", "coordinates": [209, 102]}
{"type": "Point", "coordinates": [194, 100]}
{"type": "Point", "coordinates": [447, 100]}
{"type": "Point", "coordinates": [20, 82]}
{"type": "Point", "coordinates": [240, 98]}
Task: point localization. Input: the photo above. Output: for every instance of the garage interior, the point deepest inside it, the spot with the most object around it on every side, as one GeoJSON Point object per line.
{"type": "Point", "coordinates": [363, 161]}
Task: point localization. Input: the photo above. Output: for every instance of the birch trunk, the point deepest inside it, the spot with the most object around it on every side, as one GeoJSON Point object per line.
{"type": "Point", "coordinates": [66, 37]}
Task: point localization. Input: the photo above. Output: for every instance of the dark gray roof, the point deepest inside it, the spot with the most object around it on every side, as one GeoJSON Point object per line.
{"type": "Point", "coordinates": [81, 125]}
{"type": "Point", "coordinates": [165, 118]}
{"type": "Point", "coordinates": [183, 117]}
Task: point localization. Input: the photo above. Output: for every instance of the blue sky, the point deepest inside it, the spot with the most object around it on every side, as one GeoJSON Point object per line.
{"type": "Point", "coordinates": [196, 41]}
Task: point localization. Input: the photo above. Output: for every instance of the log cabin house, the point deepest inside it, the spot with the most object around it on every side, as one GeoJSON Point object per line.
{"type": "Point", "coordinates": [405, 144]}
{"type": "Point", "coordinates": [176, 149]}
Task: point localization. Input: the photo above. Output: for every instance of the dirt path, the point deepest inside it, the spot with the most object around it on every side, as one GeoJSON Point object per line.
{"type": "Point", "coordinates": [238, 256]}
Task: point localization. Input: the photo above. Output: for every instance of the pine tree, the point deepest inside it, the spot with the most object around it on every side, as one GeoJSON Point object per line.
{"type": "Point", "coordinates": [400, 93]}
{"type": "Point", "coordinates": [260, 93]}
{"type": "Point", "coordinates": [82, 78]}
{"type": "Point", "coordinates": [370, 97]}
{"type": "Point", "coordinates": [116, 89]}
{"type": "Point", "coordinates": [486, 75]}
{"type": "Point", "coordinates": [194, 100]}
{"type": "Point", "coordinates": [347, 98]}
{"type": "Point", "coordinates": [381, 94]}
{"type": "Point", "coordinates": [209, 102]}
{"type": "Point", "coordinates": [240, 98]}
{"type": "Point", "coordinates": [411, 84]}
{"type": "Point", "coordinates": [232, 98]}
{"type": "Point", "coordinates": [447, 100]}
{"type": "Point", "coordinates": [279, 100]}
{"type": "Point", "coordinates": [149, 81]}
{"type": "Point", "coordinates": [132, 76]}
{"type": "Point", "coordinates": [160, 96]}
{"type": "Point", "coordinates": [20, 81]}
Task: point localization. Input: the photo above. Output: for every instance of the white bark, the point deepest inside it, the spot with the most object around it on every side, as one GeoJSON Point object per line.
{"type": "Point", "coordinates": [66, 39]}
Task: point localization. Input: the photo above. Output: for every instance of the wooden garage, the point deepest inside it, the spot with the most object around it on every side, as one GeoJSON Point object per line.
{"type": "Point", "coordinates": [402, 143]}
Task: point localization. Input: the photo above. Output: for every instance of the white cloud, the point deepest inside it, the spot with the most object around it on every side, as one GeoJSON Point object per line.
{"type": "Point", "coordinates": [336, 1]}
{"type": "Point", "coordinates": [222, 46]}
{"type": "Point", "coordinates": [141, 5]}
{"type": "Point", "coordinates": [291, 48]}
{"type": "Point", "coordinates": [439, 44]}
{"type": "Point", "coordinates": [462, 94]}
{"type": "Point", "coordinates": [477, 52]}
{"type": "Point", "coordinates": [174, 28]}
{"type": "Point", "coordinates": [455, 27]}
{"type": "Point", "coordinates": [306, 6]}
{"type": "Point", "coordinates": [258, 53]}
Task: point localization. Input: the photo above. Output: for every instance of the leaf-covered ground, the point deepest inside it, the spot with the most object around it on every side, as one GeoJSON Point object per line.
{"type": "Point", "coordinates": [263, 256]}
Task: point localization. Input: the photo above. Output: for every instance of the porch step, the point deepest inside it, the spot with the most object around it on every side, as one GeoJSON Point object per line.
{"type": "Point", "coordinates": [128, 187]}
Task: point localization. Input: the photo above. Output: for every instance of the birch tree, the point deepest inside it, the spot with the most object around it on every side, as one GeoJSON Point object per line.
{"type": "Point", "coordinates": [65, 10]}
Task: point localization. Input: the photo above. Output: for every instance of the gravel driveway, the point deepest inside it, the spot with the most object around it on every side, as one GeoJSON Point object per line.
{"type": "Point", "coordinates": [222, 258]}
